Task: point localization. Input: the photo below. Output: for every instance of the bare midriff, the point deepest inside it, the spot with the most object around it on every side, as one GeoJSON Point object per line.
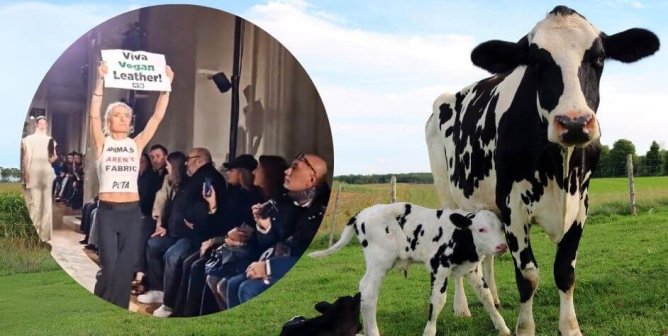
{"type": "Point", "coordinates": [119, 197]}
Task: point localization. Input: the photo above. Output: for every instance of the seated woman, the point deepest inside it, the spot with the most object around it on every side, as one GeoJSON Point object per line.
{"type": "Point", "coordinates": [235, 226]}
{"type": "Point", "coordinates": [171, 234]}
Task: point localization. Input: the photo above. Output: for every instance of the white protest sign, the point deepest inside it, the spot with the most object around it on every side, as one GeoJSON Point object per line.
{"type": "Point", "coordinates": [135, 70]}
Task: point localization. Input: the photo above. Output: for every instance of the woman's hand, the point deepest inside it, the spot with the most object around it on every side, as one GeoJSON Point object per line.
{"type": "Point", "coordinates": [205, 246]}
{"type": "Point", "coordinates": [102, 70]}
{"type": "Point", "coordinates": [170, 73]}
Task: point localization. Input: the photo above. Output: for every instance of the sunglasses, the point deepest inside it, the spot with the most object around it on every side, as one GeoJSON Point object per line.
{"type": "Point", "coordinates": [302, 157]}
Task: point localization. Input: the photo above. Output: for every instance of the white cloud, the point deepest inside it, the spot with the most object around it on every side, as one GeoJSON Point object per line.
{"type": "Point", "coordinates": [34, 34]}
{"type": "Point", "coordinates": [379, 87]}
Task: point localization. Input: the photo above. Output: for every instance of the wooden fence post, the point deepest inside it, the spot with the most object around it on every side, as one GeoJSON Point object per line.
{"type": "Point", "coordinates": [393, 192]}
{"type": "Point", "coordinates": [632, 193]}
{"type": "Point", "coordinates": [336, 205]}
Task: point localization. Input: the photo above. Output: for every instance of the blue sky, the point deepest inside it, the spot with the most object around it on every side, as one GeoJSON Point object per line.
{"type": "Point", "coordinates": [378, 65]}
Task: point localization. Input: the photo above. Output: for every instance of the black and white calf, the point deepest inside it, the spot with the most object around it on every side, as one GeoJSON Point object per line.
{"type": "Point", "coordinates": [523, 143]}
{"type": "Point", "coordinates": [450, 243]}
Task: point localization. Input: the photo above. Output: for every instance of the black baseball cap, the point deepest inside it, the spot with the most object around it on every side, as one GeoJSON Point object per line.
{"type": "Point", "coordinates": [245, 161]}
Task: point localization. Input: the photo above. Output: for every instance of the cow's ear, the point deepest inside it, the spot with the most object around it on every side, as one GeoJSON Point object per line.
{"type": "Point", "coordinates": [460, 221]}
{"type": "Point", "coordinates": [630, 45]}
{"type": "Point", "coordinates": [500, 56]}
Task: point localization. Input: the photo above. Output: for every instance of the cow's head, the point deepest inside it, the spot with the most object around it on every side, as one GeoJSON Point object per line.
{"type": "Point", "coordinates": [565, 53]}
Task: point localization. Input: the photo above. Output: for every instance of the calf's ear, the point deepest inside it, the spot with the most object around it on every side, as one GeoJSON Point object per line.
{"type": "Point", "coordinates": [323, 307]}
{"type": "Point", "coordinates": [630, 45]}
{"type": "Point", "coordinates": [500, 56]}
{"type": "Point", "coordinates": [460, 221]}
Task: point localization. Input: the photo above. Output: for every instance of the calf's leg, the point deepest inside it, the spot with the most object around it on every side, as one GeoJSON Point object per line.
{"type": "Point", "coordinates": [488, 274]}
{"type": "Point", "coordinates": [484, 294]}
{"type": "Point", "coordinates": [439, 284]}
{"type": "Point", "coordinates": [459, 303]}
{"type": "Point", "coordinates": [378, 263]}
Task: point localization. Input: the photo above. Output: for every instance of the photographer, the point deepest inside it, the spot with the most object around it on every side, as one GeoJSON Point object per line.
{"type": "Point", "coordinates": [288, 228]}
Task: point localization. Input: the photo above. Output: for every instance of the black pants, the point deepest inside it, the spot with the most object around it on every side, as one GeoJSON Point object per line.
{"type": "Point", "coordinates": [191, 286]}
{"type": "Point", "coordinates": [119, 234]}
{"type": "Point", "coordinates": [148, 227]}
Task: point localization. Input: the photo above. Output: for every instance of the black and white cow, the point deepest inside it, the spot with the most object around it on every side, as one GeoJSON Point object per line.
{"type": "Point", "coordinates": [450, 243]}
{"type": "Point", "coordinates": [524, 142]}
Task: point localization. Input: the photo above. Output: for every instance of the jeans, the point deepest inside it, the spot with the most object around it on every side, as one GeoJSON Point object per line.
{"type": "Point", "coordinates": [164, 257]}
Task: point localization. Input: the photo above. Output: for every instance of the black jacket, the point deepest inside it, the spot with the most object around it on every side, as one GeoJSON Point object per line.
{"type": "Point", "coordinates": [197, 210]}
{"type": "Point", "coordinates": [149, 183]}
{"type": "Point", "coordinates": [236, 209]}
{"type": "Point", "coordinates": [295, 226]}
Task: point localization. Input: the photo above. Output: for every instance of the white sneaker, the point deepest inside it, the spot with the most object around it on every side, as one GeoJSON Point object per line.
{"type": "Point", "coordinates": [152, 296]}
{"type": "Point", "coordinates": [162, 311]}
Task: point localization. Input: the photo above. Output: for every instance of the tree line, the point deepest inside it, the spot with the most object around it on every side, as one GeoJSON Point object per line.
{"type": "Point", "coordinates": [10, 173]}
{"type": "Point", "coordinates": [612, 163]}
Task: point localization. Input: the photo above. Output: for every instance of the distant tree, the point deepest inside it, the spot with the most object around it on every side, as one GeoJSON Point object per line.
{"type": "Point", "coordinates": [618, 153]}
{"type": "Point", "coordinates": [5, 173]}
{"type": "Point", "coordinates": [665, 162]}
{"type": "Point", "coordinates": [423, 178]}
{"type": "Point", "coordinates": [640, 166]}
{"type": "Point", "coordinates": [603, 168]}
{"type": "Point", "coordinates": [16, 173]}
{"type": "Point", "coordinates": [654, 160]}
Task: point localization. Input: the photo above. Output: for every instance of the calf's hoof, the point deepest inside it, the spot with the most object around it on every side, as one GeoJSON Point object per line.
{"type": "Point", "coordinates": [462, 313]}
{"type": "Point", "coordinates": [504, 332]}
{"type": "Point", "coordinates": [572, 332]}
{"type": "Point", "coordinates": [525, 329]}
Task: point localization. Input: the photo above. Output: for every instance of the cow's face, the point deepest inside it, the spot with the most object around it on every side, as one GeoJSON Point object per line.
{"type": "Point", "coordinates": [486, 229]}
{"type": "Point", "coordinates": [563, 56]}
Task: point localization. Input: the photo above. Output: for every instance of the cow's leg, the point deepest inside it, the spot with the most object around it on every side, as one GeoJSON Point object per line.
{"type": "Point", "coordinates": [526, 268]}
{"type": "Point", "coordinates": [378, 263]}
{"type": "Point", "coordinates": [460, 304]}
{"type": "Point", "coordinates": [488, 275]}
{"type": "Point", "coordinates": [439, 285]}
{"type": "Point", "coordinates": [484, 294]}
{"type": "Point", "coordinates": [564, 276]}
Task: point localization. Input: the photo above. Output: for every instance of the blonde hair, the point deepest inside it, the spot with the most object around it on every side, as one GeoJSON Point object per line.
{"type": "Point", "coordinates": [107, 115]}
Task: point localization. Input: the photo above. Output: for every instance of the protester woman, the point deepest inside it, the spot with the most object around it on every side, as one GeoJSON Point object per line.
{"type": "Point", "coordinates": [119, 218]}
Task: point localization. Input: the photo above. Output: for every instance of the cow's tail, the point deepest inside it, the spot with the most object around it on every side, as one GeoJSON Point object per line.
{"type": "Point", "coordinates": [346, 236]}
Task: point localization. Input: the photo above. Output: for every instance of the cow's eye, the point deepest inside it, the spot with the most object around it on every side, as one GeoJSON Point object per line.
{"type": "Point", "coordinates": [482, 230]}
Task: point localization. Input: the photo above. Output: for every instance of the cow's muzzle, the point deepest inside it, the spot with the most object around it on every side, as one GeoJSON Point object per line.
{"type": "Point", "coordinates": [575, 129]}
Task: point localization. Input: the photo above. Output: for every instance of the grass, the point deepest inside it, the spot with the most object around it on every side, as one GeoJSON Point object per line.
{"type": "Point", "coordinates": [621, 287]}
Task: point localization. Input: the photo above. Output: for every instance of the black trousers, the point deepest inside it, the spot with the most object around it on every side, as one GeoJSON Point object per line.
{"type": "Point", "coordinates": [192, 284]}
{"type": "Point", "coordinates": [119, 234]}
{"type": "Point", "coordinates": [148, 227]}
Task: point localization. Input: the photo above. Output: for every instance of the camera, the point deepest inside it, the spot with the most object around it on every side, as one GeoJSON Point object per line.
{"type": "Point", "coordinates": [268, 209]}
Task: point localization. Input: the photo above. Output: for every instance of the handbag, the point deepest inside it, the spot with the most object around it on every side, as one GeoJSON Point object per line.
{"type": "Point", "coordinates": [226, 261]}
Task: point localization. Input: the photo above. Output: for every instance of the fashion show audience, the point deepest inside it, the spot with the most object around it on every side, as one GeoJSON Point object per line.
{"type": "Point", "coordinates": [212, 242]}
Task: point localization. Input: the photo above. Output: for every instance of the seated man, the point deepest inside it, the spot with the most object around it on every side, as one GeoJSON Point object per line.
{"type": "Point", "coordinates": [292, 226]}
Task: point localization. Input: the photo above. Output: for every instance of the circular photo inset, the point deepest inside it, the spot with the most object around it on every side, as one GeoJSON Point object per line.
{"type": "Point", "coordinates": [174, 155]}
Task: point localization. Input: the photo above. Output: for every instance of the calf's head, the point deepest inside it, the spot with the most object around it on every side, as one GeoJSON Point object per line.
{"type": "Point", "coordinates": [564, 56]}
{"type": "Point", "coordinates": [486, 229]}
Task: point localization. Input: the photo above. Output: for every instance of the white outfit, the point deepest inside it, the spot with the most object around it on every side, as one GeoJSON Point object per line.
{"type": "Point", "coordinates": [40, 183]}
{"type": "Point", "coordinates": [118, 166]}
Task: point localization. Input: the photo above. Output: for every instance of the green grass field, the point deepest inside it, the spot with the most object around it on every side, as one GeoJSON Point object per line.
{"type": "Point", "coordinates": [621, 286]}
